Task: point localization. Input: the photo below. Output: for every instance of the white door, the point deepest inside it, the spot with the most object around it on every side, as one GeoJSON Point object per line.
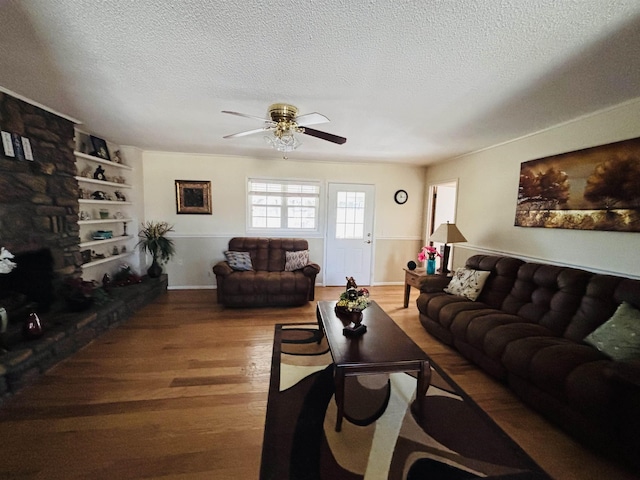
{"type": "Point", "coordinates": [349, 239]}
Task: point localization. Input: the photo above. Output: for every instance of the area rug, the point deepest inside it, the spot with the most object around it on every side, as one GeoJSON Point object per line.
{"type": "Point", "coordinates": [380, 438]}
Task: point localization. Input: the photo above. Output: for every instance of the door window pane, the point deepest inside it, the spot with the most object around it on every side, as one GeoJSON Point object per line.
{"type": "Point", "coordinates": [350, 215]}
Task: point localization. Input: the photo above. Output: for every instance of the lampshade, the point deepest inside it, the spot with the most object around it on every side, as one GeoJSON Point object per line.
{"type": "Point", "coordinates": [447, 233]}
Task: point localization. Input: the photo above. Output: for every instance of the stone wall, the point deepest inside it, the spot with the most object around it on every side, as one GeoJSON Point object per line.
{"type": "Point", "coordinates": [39, 199]}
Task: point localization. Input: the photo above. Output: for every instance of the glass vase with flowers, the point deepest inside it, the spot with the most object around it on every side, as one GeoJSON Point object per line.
{"type": "Point", "coordinates": [429, 254]}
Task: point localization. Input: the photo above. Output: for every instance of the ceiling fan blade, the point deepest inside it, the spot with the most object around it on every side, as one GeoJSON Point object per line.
{"type": "Point", "coordinates": [324, 135]}
{"type": "Point", "coordinates": [248, 132]}
{"type": "Point", "coordinates": [247, 116]}
{"type": "Point", "coordinates": [311, 119]}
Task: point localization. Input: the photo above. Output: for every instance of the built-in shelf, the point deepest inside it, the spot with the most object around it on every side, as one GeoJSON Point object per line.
{"type": "Point", "coordinates": [102, 182]}
{"type": "Point", "coordinates": [92, 243]}
{"type": "Point", "coordinates": [100, 261]}
{"type": "Point", "coordinates": [108, 220]}
{"type": "Point", "coordinates": [101, 160]}
{"type": "Point", "coordinates": [104, 202]}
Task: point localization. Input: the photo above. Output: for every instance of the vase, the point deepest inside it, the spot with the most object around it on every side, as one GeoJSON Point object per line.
{"type": "Point", "coordinates": [431, 266]}
{"type": "Point", "coordinates": [32, 326]}
{"type": "Point", "coordinates": [155, 270]}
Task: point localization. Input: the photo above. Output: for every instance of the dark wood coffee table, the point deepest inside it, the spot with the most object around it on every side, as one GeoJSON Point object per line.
{"type": "Point", "coordinates": [383, 348]}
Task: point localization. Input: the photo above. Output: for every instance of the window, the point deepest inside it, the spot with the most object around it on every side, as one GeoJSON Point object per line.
{"type": "Point", "coordinates": [283, 205]}
{"type": "Point", "coordinates": [350, 215]}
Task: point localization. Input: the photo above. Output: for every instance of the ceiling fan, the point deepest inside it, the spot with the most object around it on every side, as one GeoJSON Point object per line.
{"type": "Point", "coordinates": [283, 123]}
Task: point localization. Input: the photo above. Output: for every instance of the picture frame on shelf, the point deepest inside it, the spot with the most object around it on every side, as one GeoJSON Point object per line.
{"type": "Point", "coordinates": [26, 147]}
{"type": "Point", "coordinates": [85, 255]}
{"type": "Point", "coordinates": [100, 149]}
{"type": "Point", "coordinates": [7, 144]}
{"type": "Point", "coordinates": [193, 197]}
{"type": "Point", "coordinates": [17, 146]}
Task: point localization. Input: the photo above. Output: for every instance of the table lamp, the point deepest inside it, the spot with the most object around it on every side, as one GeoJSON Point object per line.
{"type": "Point", "coordinates": [446, 233]}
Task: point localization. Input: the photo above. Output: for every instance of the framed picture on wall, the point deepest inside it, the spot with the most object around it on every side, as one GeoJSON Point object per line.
{"type": "Point", "coordinates": [193, 197]}
{"type": "Point", "coordinates": [7, 144]}
{"type": "Point", "coordinates": [594, 188]}
{"type": "Point", "coordinates": [99, 148]}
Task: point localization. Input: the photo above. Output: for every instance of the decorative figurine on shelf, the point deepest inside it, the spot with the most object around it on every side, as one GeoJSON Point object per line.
{"type": "Point", "coordinates": [115, 251]}
{"type": "Point", "coordinates": [106, 282]}
{"type": "Point", "coordinates": [86, 172]}
{"type": "Point", "coordinates": [120, 196]}
{"type": "Point", "coordinates": [99, 195]}
{"type": "Point", "coordinates": [99, 174]}
{"type": "Point", "coordinates": [116, 157]}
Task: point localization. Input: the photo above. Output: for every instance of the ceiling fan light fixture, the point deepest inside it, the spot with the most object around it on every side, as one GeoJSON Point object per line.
{"type": "Point", "coordinates": [283, 137]}
{"type": "Point", "coordinates": [283, 124]}
{"type": "Point", "coordinates": [285, 142]}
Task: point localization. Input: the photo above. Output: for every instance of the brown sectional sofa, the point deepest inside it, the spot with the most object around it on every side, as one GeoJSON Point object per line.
{"type": "Point", "coordinates": [527, 328]}
{"type": "Point", "coordinates": [267, 284]}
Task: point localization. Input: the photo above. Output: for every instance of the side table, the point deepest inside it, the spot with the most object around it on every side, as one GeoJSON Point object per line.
{"type": "Point", "coordinates": [412, 278]}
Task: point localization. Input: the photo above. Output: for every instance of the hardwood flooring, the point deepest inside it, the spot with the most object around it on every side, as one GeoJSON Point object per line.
{"type": "Point", "coordinates": [180, 392]}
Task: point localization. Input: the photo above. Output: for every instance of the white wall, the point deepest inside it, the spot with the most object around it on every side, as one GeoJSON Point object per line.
{"type": "Point", "coordinates": [488, 190]}
{"type": "Point", "coordinates": [201, 239]}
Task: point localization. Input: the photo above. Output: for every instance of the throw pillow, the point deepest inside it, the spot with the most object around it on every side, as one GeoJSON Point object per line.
{"type": "Point", "coordinates": [467, 283]}
{"type": "Point", "coordinates": [619, 337]}
{"type": "Point", "coordinates": [239, 260]}
{"type": "Point", "coordinates": [296, 260]}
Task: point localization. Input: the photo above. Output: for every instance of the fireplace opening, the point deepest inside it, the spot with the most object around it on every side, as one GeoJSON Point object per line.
{"type": "Point", "coordinates": [31, 280]}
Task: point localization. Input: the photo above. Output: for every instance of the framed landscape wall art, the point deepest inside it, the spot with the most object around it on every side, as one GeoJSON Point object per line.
{"type": "Point", "coordinates": [193, 196]}
{"type": "Point", "coordinates": [596, 188]}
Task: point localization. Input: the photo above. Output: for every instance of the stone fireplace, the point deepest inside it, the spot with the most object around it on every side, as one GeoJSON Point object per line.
{"type": "Point", "coordinates": [39, 198]}
{"type": "Point", "coordinates": [39, 225]}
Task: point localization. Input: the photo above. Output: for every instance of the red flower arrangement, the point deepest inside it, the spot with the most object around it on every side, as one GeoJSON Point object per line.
{"type": "Point", "coordinates": [428, 252]}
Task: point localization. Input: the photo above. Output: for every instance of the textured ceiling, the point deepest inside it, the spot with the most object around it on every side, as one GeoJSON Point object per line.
{"type": "Point", "coordinates": [405, 81]}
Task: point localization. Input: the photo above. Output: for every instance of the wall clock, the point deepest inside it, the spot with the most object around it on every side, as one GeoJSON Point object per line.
{"type": "Point", "coordinates": [401, 197]}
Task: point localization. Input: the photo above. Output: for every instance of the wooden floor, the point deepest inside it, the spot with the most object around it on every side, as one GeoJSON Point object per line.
{"type": "Point", "coordinates": [180, 392]}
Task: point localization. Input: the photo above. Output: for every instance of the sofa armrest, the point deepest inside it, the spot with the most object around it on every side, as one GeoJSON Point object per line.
{"type": "Point", "coordinates": [311, 269]}
{"type": "Point", "coordinates": [222, 269]}
{"type": "Point", "coordinates": [626, 373]}
{"type": "Point", "coordinates": [434, 283]}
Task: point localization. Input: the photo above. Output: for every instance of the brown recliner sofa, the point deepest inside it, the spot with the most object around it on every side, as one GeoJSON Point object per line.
{"type": "Point", "coordinates": [528, 328]}
{"type": "Point", "coordinates": [267, 283]}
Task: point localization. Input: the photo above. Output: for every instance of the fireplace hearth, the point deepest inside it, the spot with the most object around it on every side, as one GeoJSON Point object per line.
{"type": "Point", "coordinates": [66, 332]}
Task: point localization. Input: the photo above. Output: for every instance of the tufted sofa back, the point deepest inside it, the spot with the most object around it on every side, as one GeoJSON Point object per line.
{"type": "Point", "coordinates": [603, 295]}
{"type": "Point", "coordinates": [548, 295]}
{"type": "Point", "coordinates": [568, 301]}
{"type": "Point", "coordinates": [267, 254]}
{"type": "Point", "coordinates": [504, 271]}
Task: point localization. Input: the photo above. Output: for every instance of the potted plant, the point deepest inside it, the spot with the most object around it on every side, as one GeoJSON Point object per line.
{"type": "Point", "coordinates": [153, 241]}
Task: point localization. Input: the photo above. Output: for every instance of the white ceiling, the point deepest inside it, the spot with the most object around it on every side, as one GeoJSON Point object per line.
{"type": "Point", "coordinates": [404, 80]}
